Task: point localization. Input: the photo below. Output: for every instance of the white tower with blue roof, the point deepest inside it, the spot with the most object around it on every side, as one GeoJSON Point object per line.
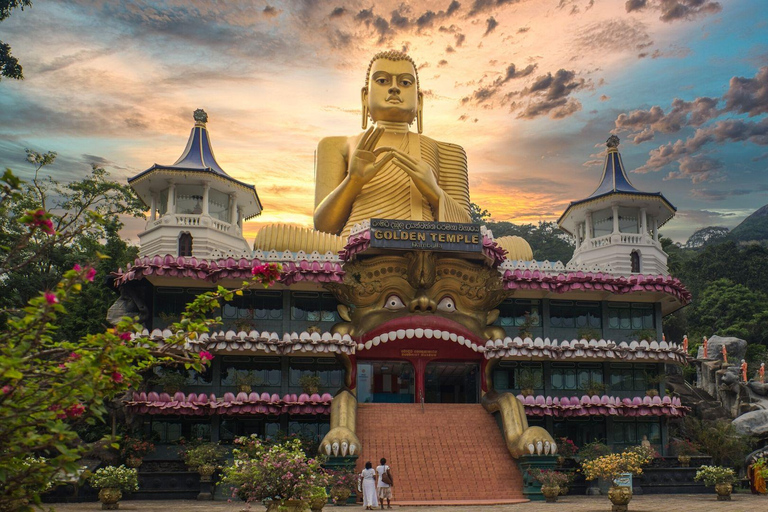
{"type": "Point", "coordinates": [196, 209]}
{"type": "Point", "coordinates": [617, 226]}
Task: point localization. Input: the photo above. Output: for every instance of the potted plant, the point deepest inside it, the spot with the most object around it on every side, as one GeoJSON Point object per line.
{"type": "Point", "coordinates": [246, 381]}
{"type": "Point", "coordinates": [550, 482]}
{"type": "Point", "coordinates": [280, 475]}
{"type": "Point", "coordinates": [133, 450]}
{"type": "Point", "coordinates": [613, 466]}
{"type": "Point", "coordinates": [171, 381]}
{"type": "Point", "coordinates": [720, 477]}
{"type": "Point", "coordinates": [309, 383]}
{"type": "Point", "coordinates": [593, 450]}
{"type": "Point", "coordinates": [111, 480]}
{"type": "Point", "coordinates": [593, 387]}
{"type": "Point", "coordinates": [318, 498]}
{"type": "Point", "coordinates": [528, 321]}
{"type": "Point", "coordinates": [566, 449]}
{"type": "Point", "coordinates": [527, 383]}
{"type": "Point", "coordinates": [204, 458]}
{"type": "Point", "coordinates": [683, 448]}
{"type": "Point", "coordinates": [343, 482]}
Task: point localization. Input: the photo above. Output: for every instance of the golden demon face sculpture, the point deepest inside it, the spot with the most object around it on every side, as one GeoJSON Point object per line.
{"type": "Point", "coordinates": [418, 290]}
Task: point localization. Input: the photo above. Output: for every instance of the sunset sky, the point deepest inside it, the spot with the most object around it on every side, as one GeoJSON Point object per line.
{"type": "Point", "coordinates": [530, 88]}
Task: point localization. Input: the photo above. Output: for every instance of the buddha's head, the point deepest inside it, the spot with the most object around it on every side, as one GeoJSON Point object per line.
{"type": "Point", "coordinates": [420, 289]}
{"type": "Point", "coordinates": [391, 91]}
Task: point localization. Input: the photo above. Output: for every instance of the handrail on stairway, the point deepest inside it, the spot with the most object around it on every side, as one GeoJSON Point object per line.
{"type": "Point", "coordinates": [421, 399]}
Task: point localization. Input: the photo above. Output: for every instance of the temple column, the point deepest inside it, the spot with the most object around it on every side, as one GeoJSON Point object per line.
{"type": "Point", "coordinates": [588, 225]}
{"type": "Point", "coordinates": [172, 198]}
{"type": "Point", "coordinates": [615, 219]}
{"type": "Point", "coordinates": [655, 229]}
{"type": "Point", "coordinates": [240, 218]}
{"type": "Point", "coordinates": [206, 190]}
{"type": "Point", "coordinates": [153, 208]}
{"type": "Point", "coordinates": [232, 208]}
{"type": "Point", "coordinates": [643, 223]}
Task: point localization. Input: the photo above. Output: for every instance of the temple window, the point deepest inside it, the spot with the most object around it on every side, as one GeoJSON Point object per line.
{"type": "Point", "coordinates": [515, 376]}
{"type": "Point", "coordinates": [602, 222]}
{"type": "Point", "coordinates": [163, 206]}
{"type": "Point", "coordinates": [575, 315]}
{"type": "Point", "coordinates": [634, 257]}
{"type": "Point", "coordinates": [218, 205]}
{"type": "Point", "coordinates": [185, 244]}
{"type": "Point", "coordinates": [625, 315]}
{"type": "Point", "coordinates": [170, 430]}
{"type": "Point", "coordinates": [625, 377]}
{"type": "Point", "coordinates": [328, 369]}
{"type": "Point", "coordinates": [581, 430]}
{"type": "Point", "coordinates": [309, 430]}
{"type": "Point", "coordinates": [265, 428]}
{"type": "Point", "coordinates": [314, 307]}
{"type": "Point", "coordinates": [512, 313]}
{"type": "Point", "coordinates": [575, 377]}
{"type": "Point", "coordinates": [169, 302]}
{"type": "Point", "coordinates": [627, 433]}
{"type": "Point", "coordinates": [249, 311]}
{"type": "Point", "coordinates": [260, 374]}
{"type": "Point", "coordinates": [629, 220]}
{"type": "Point", "coordinates": [189, 199]}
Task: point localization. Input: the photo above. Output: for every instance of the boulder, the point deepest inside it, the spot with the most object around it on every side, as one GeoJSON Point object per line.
{"type": "Point", "coordinates": [753, 423]}
{"type": "Point", "coordinates": [737, 349]}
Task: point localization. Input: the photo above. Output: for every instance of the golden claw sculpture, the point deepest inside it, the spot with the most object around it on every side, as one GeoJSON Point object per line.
{"type": "Point", "coordinates": [341, 440]}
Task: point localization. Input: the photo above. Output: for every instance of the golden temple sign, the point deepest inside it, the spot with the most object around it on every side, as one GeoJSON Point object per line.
{"type": "Point", "coordinates": [426, 235]}
{"type": "Point", "coordinates": [407, 352]}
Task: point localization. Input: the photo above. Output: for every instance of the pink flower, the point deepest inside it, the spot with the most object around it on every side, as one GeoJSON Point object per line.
{"type": "Point", "coordinates": [205, 356]}
{"type": "Point", "coordinates": [74, 356]}
{"type": "Point", "coordinates": [91, 274]}
{"type": "Point", "coordinates": [125, 336]}
{"type": "Point", "coordinates": [51, 298]}
{"type": "Point", "coordinates": [74, 411]}
{"type": "Point", "coordinates": [117, 377]}
{"type": "Point", "coordinates": [7, 390]}
{"type": "Point", "coordinates": [77, 267]}
{"type": "Point", "coordinates": [39, 219]}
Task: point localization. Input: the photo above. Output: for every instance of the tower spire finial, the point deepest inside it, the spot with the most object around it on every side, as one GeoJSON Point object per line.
{"type": "Point", "coordinates": [612, 142]}
{"type": "Point", "coordinates": [200, 117]}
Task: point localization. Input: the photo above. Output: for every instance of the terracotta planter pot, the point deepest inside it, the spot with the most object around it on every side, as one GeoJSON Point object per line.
{"type": "Point", "coordinates": [723, 492]}
{"type": "Point", "coordinates": [109, 498]}
{"type": "Point", "coordinates": [550, 492]}
{"type": "Point", "coordinates": [287, 506]}
{"type": "Point", "coordinates": [620, 497]}
{"type": "Point", "coordinates": [206, 470]}
{"type": "Point", "coordinates": [133, 462]}
{"type": "Point", "coordinates": [684, 460]}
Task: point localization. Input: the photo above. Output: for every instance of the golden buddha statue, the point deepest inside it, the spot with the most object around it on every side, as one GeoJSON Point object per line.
{"type": "Point", "coordinates": [388, 171]}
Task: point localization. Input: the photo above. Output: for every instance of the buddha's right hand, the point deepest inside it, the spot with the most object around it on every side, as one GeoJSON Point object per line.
{"type": "Point", "coordinates": [362, 164]}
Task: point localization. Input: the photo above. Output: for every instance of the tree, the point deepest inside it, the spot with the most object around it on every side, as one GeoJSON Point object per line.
{"type": "Point", "coordinates": [730, 309]}
{"type": "Point", "coordinates": [546, 239]}
{"type": "Point", "coordinates": [478, 214]}
{"type": "Point", "coordinates": [9, 65]}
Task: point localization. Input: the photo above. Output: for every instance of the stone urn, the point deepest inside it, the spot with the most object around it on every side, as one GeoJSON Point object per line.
{"type": "Point", "coordinates": [550, 492]}
{"type": "Point", "coordinates": [287, 506]}
{"type": "Point", "coordinates": [206, 471]}
{"type": "Point", "coordinates": [109, 498]}
{"type": "Point", "coordinates": [684, 460]}
{"type": "Point", "coordinates": [723, 492]}
{"type": "Point", "coordinates": [317, 503]}
{"type": "Point", "coordinates": [340, 495]}
{"type": "Point", "coordinates": [133, 462]}
{"type": "Point", "coordinates": [620, 497]}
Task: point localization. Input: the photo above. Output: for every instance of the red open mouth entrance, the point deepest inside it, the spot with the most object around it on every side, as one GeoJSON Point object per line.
{"type": "Point", "coordinates": [411, 359]}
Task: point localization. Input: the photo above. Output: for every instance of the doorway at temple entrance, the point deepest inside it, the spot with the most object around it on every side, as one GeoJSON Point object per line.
{"type": "Point", "coordinates": [452, 383]}
{"type": "Point", "coordinates": [385, 382]}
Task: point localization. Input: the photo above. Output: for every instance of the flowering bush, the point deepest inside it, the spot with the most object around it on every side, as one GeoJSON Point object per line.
{"type": "Point", "coordinates": [594, 450]}
{"type": "Point", "coordinates": [278, 472]}
{"type": "Point", "coordinates": [132, 447]}
{"type": "Point", "coordinates": [713, 475]}
{"type": "Point", "coordinates": [611, 466]}
{"type": "Point", "coordinates": [343, 479]}
{"type": "Point", "coordinates": [549, 477]}
{"type": "Point", "coordinates": [203, 454]}
{"type": "Point", "coordinates": [116, 477]}
{"type": "Point", "coordinates": [566, 447]}
{"type": "Point", "coordinates": [683, 447]}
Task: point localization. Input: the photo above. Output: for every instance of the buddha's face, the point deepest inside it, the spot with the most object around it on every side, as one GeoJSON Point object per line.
{"type": "Point", "coordinates": [392, 93]}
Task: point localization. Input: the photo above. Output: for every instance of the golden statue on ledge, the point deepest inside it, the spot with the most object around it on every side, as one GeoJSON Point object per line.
{"type": "Point", "coordinates": [388, 171]}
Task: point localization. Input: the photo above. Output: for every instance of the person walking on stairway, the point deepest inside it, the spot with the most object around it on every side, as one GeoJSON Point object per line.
{"type": "Point", "coordinates": [368, 477]}
{"type": "Point", "coordinates": [385, 483]}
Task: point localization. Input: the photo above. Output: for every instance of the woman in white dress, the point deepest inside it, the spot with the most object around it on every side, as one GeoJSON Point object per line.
{"type": "Point", "coordinates": [368, 476]}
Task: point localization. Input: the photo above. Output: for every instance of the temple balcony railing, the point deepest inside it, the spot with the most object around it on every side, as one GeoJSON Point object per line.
{"type": "Point", "coordinates": [194, 220]}
{"type": "Point", "coordinates": [636, 239]}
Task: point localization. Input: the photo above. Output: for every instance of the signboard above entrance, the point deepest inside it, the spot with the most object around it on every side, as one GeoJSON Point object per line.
{"type": "Point", "coordinates": [426, 235]}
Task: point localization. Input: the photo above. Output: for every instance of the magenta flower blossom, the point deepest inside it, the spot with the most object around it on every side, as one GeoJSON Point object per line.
{"type": "Point", "coordinates": [77, 267]}
{"type": "Point", "coordinates": [91, 274]}
{"type": "Point", "coordinates": [51, 298]}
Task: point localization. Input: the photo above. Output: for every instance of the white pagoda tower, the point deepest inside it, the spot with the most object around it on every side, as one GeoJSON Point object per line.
{"type": "Point", "coordinates": [618, 225]}
{"type": "Point", "coordinates": [196, 209]}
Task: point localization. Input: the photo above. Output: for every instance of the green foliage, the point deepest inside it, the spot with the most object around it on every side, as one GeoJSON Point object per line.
{"type": "Point", "coordinates": [203, 454]}
{"type": "Point", "coordinates": [753, 228]}
{"type": "Point", "coordinates": [478, 214]}
{"type": "Point", "coordinates": [594, 450]}
{"type": "Point", "coordinates": [170, 381]}
{"type": "Point", "coordinates": [9, 65]}
{"type": "Point", "coordinates": [713, 475]}
{"type": "Point", "coordinates": [310, 383]}
{"type": "Point", "coordinates": [718, 439]}
{"type": "Point", "coordinates": [116, 477]}
{"type": "Point", "coordinates": [547, 241]}
{"type": "Point", "coordinates": [731, 309]}
{"type": "Point", "coordinates": [756, 354]}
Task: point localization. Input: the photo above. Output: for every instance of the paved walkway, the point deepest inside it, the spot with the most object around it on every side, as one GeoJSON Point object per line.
{"type": "Point", "coordinates": [648, 503]}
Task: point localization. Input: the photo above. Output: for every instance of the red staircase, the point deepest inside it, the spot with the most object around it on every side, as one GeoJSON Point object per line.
{"type": "Point", "coordinates": [449, 453]}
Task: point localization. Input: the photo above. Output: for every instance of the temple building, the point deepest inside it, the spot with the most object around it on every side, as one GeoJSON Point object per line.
{"type": "Point", "coordinates": [449, 326]}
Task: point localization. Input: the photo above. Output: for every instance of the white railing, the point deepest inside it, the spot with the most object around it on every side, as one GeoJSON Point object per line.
{"type": "Point", "coordinates": [631, 239]}
{"type": "Point", "coordinates": [192, 220]}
